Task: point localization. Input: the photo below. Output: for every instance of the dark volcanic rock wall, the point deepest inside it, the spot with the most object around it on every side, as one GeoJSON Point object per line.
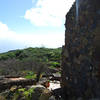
{"type": "Point", "coordinates": [81, 52]}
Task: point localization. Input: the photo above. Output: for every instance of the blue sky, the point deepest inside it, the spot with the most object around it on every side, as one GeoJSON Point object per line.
{"type": "Point", "coordinates": [32, 23]}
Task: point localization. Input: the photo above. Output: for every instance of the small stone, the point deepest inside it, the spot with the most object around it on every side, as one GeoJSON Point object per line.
{"type": "Point", "coordinates": [13, 88]}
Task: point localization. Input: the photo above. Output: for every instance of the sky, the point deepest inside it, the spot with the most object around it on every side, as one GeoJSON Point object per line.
{"type": "Point", "coordinates": [32, 23]}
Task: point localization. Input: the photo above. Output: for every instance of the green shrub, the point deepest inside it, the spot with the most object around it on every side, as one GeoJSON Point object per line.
{"type": "Point", "coordinates": [54, 64]}
{"type": "Point", "coordinates": [30, 75]}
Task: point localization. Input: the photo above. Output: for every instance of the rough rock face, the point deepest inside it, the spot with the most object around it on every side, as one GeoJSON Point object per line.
{"type": "Point", "coordinates": [81, 52]}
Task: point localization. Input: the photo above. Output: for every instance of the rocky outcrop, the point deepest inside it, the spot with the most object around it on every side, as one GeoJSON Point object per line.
{"type": "Point", "coordinates": [34, 92]}
{"type": "Point", "coordinates": [81, 52]}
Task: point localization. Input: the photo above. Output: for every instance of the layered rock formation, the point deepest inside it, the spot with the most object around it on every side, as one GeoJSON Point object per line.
{"type": "Point", "coordinates": [81, 52]}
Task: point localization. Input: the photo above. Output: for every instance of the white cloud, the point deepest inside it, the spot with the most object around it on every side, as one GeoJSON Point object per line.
{"type": "Point", "coordinates": [12, 40]}
{"type": "Point", "coordinates": [5, 32]}
{"type": "Point", "coordinates": [49, 12]}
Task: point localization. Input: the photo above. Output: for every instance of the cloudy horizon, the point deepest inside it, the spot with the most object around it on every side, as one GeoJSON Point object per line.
{"type": "Point", "coordinates": [32, 23]}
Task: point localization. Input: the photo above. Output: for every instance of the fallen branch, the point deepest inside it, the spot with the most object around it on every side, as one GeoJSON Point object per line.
{"type": "Point", "coordinates": [7, 83]}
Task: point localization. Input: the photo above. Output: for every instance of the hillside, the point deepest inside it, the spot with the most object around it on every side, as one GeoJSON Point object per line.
{"type": "Point", "coordinates": [16, 61]}
{"type": "Point", "coordinates": [22, 72]}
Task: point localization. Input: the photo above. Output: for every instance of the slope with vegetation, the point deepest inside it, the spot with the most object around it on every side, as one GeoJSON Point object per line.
{"type": "Point", "coordinates": [22, 70]}
{"type": "Point", "coordinates": [18, 62]}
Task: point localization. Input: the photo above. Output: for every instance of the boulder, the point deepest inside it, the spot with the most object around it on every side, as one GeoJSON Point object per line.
{"type": "Point", "coordinates": [40, 93]}
{"type": "Point", "coordinates": [81, 52]}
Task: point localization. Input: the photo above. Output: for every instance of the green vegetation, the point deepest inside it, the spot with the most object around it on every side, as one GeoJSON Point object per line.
{"type": "Point", "coordinates": [31, 59]}
{"type": "Point", "coordinates": [41, 53]}
{"type": "Point", "coordinates": [30, 63]}
{"type": "Point", "coordinates": [30, 75]}
{"type": "Point", "coordinates": [19, 94]}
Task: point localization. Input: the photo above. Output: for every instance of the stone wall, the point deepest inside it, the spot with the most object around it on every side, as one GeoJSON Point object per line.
{"type": "Point", "coordinates": [81, 52]}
